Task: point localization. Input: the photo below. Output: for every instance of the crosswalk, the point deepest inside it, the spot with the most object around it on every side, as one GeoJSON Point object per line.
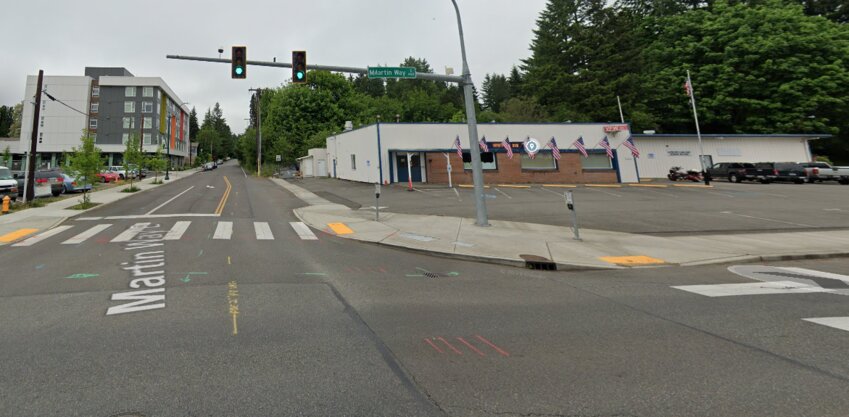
{"type": "Point", "coordinates": [223, 230]}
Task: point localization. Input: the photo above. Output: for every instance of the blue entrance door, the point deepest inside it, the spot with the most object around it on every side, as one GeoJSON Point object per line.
{"type": "Point", "coordinates": [415, 167]}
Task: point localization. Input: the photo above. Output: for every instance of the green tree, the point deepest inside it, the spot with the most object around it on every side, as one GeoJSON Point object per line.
{"type": "Point", "coordinates": [133, 159]}
{"type": "Point", "coordinates": [85, 163]}
{"type": "Point", "coordinates": [496, 90]}
{"type": "Point", "coordinates": [7, 157]}
{"type": "Point", "coordinates": [156, 163]}
{"type": "Point", "coordinates": [17, 119]}
{"type": "Point", "coordinates": [6, 118]}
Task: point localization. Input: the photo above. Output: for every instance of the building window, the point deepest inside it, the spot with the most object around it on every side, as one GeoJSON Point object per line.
{"type": "Point", "coordinates": [41, 122]}
{"type": "Point", "coordinates": [147, 107]}
{"type": "Point", "coordinates": [130, 92]}
{"type": "Point", "coordinates": [92, 124]}
{"type": "Point", "coordinates": [147, 92]}
{"type": "Point", "coordinates": [95, 91]}
{"type": "Point", "coordinates": [487, 161]}
{"type": "Point", "coordinates": [125, 138]}
{"type": "Point", "coordinates": [129, 107]}
{"type": "Point", "coordinates": [94, 107]}
{"type": "Point", "coordinates": [354, 162]}
{"type": "Point", "coordinates": [542, 162]}
{"type": "Point", "coordinates": [129, 123]}
{"type": "Point", "coordinates": [147, 139]}
{"type": "Point", "coordinates": [597, 161]}
{"type": "Point", "coordinates": [40, 136]}
{"type": "Point", "coordinates": [148, 123]}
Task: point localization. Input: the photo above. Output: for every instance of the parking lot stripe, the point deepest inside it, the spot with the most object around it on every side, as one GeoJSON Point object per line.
{"type": "Point", "coordinates": [648, 185]}
{"type": "Point", "coordinates": [551, 191]}
{"type": "Point", "coordinates": [82, 237]}
{"type": "Point", "coordinates": [303, 231]}
{"type": "Point", "coordinates": [177, 230]}
{"type": "Point", "coordinates": [340, 228]}
{"type": "Point", "coordinates": [17, 234]}
{"type": "Point", "coordinates": [605, 192]}
{"type": "Point", "coordinates": [560, 186]}
{"type": "Point", "coordinates": [130, 233]}
{"type": "Point", "coordinates": [263, 231]}
{"type": "Point", "coordinates": [469, 345]}
{"type": "Point", "coordinates": [767, 220]}
{"type": "Point", "coordinates": [44, 235]}
{"type": "Point", "coordinates": [513, 186]}
{"type": "Point", "coordinates": [470, 186]}
{"type": "Point", "coordinates": [450, 346]}
{"type": "Point", "coordinates": [224, 230]}
{"type": "Point", "coordinates": [500, 351]}
{"type": "Point", "coordinates": [503, 193]}
{"type": "Point", "coordinates": [603, 185]}
{"type": "Point", "coordinates": [692, 185]}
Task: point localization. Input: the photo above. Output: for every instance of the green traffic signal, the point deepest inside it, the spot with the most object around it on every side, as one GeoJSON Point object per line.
{"type": "Point", "coordinates": [299, 67]}
{"type": "Point", "coordinates": [300, 75]}
{"type": "Point", "coordinates": [238, 62]}
{"type": "Point", "coordinates": [239, 70]}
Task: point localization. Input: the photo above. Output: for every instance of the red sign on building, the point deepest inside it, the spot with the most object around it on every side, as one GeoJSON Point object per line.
{"type": "Point", "coordinates": [615, 128]}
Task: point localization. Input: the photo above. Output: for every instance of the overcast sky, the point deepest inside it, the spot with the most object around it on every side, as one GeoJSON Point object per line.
{"type": "Point", "coordinates": [63, 37]}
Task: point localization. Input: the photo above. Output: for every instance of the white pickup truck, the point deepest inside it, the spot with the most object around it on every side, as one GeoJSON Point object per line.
{"type": "Point", "coordinates": [822, 171]}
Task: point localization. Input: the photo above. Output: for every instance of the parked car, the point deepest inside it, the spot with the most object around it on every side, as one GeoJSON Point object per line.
{"type": "Point", "coordinates": [74, 186]}
{"type": "Point", "coordinates": [784, 171]}
{"type": "Point", "coordinates": [108, 176]}
{"type": "Point", "coordinates": [209, 166]}
{"type": "Point", "coordinates": [822, 171]}
{"type": "Point", "coordinates": [122, 173]}
{"type": "Point", "coordinates": [740, 171]}
{"type": "Point", "coordinates": [51, 178]}
{"type": "Point", "coordinates": [8, 185]}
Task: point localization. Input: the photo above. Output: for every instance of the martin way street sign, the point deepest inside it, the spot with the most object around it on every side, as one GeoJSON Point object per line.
{"type": "Point", "coordinates": [392, 72]}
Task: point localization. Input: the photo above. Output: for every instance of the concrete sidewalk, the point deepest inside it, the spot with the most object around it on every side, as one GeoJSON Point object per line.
{"type": "Point", "coordinates": [42, 218]}
{"type": "Point", "coordinates": [514, 242]}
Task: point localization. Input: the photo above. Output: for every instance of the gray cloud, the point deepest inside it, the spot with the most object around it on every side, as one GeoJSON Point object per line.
{"type": "Point", "coordinates": [63, 37]}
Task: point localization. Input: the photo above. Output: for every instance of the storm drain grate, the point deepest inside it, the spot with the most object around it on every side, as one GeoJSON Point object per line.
{"type": "Point", "coordinates": [538, 263]}
{"type": "Point", "coordinates": [434, 275]}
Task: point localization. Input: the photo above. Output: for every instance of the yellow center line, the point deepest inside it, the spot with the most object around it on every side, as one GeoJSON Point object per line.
{"type": "Point", "coordinates": [17, 234]}
{"type": "Point", "coordinates": [224, 197]}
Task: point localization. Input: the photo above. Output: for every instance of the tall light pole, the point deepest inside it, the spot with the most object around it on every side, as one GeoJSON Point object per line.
{"type": "Point", "coordinates": [474, 147]}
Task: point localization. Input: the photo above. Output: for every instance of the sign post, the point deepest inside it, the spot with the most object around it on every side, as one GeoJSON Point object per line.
{"type": "Point", "coordinates": [377, 202]}
{"type": "Point", "coordinates": [570, 204]}
{"type": "Point", "coordinates": [409, 171]}
{"type": "Point", "coordinates": [448, 167]}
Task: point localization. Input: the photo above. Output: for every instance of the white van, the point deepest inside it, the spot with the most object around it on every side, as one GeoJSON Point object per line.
{"type": "Point", "coordinates": [8, 184]}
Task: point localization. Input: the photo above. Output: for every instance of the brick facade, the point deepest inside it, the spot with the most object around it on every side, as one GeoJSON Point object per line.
{"type": "Point", "coordinates": [510, 171]}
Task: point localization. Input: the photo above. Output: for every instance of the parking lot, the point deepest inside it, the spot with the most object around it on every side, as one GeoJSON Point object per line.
{"type": "Point", "coordinates": [663, 208]}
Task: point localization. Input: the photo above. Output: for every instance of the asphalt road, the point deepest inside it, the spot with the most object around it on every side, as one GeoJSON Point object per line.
{"type": "Point", "coordinates": [335, 327]}
{"type": "Point", "coordinates": [727, 207]}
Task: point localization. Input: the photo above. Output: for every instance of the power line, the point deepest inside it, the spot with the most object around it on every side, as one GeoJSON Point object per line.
{"type": "Point", "coordinates": [63, 103]}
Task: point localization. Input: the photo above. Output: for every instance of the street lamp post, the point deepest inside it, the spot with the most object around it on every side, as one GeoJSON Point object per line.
{"type": "Point", "coordinates": [168, 148]}
{"type": "Point", "coordinates": [474, 147]}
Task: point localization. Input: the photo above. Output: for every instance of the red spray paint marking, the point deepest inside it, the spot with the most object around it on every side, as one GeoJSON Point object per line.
{"type": "Point", "coordinates": [434, 346]}
{"type": "Point", "coordinates": [502, 352]}
{"type": "Point", "coordinates": [449, 345]}
{"type": "Point", "coordinates": [463, 341]}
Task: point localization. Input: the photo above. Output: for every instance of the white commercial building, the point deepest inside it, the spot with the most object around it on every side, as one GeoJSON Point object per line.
{"type": "Point", "coordinates": [314, 164]}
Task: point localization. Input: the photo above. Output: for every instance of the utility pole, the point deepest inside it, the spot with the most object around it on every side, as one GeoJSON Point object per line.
{"type": "Point", "coordinates": [168, 145]}
{"type": "Point", "coordinates": [29, 192]}
{"type": "Point", "coordinates": [258, 92]}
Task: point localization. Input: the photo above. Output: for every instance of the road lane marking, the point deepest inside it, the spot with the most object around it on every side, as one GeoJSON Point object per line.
{"type": "Point", "coordinates": [224, 230]}
{"type": "Point", "coordinates": [17, 234]}
{"type": "Point", "coordinates": [89, 218]}
{"type": "Point", "coordinates": [752, 288]}
{"type": "Point", "coordinates": [552, 192]}
{"type": "Point", "coordinates": [82, 237]}
{"type": "Point", "coordinates": [263, 231]}
{"type": "Point", "coordinates": [177, 230]}
{"type": "Point", "coordinates": [458, 194]}
{"type": "Point", "coordinates": [500, 351]}
{"type": "Point", "coordinates": [229, 261]}
{"type": "Point", "coordinates": [243, 172]}
{"type": "Point", "coordinates": [632, 260]}
{"type": "Point", "coordinates": [130, 233]}
{"type": "Point", "coordinates": [340, 228]}
{"type": "Point", "coordinates": [470, 346]}
{"type": "Point", "coordinates": [224, 197]}
{"type": "Point", "coordinates": [303, 231]}
{"type": "Point", "coordinates": [233, 302]}
{"type": "Point", "coordinates": [766, 220]}
{"type": "Point", "coordinates": [169, 200]}
{"type": "Point", "coordinates": [841, 323]}
{"type": "Point", "coordinates": [44, 235]}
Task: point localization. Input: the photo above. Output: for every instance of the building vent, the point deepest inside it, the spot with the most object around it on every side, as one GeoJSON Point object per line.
{"type": "Point", "coordinates": [349, 126]}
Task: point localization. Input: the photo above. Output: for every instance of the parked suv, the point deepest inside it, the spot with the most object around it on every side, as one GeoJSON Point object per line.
{"type": "Point", "coordinates": [8, 185]}
{"type": "Point", "coordinates": [739, 171]}
{"type": "Point", "coordinates": [784, 171]}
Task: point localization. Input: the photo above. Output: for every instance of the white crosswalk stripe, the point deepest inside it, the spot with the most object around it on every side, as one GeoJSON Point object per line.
{"type": "Point", "coordinates": [177, 230]}
{"type": "Point", "coordinates": [303, 231]}
{"type": "Point", "coordinates": [129, 234]}
{"type": "Point", "coordinates": [43, 235]}
{"type": "Point", "coordinates": [82, 237]}
{"type": "Point", "coordinates": [224, 230]}
{"type": "Point", "coordinates": [841, 323]}
{"type": "Point", "coordinates": [263, 231]}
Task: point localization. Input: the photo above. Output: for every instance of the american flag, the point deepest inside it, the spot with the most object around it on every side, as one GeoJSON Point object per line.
{"type": "Point", "coordinates": [482, 142]}
{"type": "Point", "coordinates": [688, 88]}
{"type": "Point", "coordinates": [605, 144]}
{"type": "Point", "coordinates": [579, 145]}
{"type": "Point", "coordinates": [506, 144]}
{"type": "Point", "coordinates": [555, 151]}
{"type": "Point", "coordinates": [459, 147]}
{"type": "Point", "coordinates": [629, 143]}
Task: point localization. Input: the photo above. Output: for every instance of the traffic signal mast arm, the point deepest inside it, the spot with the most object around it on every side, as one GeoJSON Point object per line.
{"type": "Point", "coordinates": [352, 70]}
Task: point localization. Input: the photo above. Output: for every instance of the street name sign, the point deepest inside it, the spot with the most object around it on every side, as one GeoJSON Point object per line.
{"type": "Point", "coordinates": [391, 72]}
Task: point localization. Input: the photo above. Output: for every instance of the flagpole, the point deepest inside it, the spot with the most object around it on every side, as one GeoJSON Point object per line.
{"type": "Point", "coordinates": [621, 116]}
{"type": "Point", "coordinates": [692, 92]}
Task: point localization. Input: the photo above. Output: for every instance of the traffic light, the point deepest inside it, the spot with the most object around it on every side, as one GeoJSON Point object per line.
{"type": "Point", "coordinates": [299, 67]}
{"type": "Point", "coordinates": [239, 62]}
